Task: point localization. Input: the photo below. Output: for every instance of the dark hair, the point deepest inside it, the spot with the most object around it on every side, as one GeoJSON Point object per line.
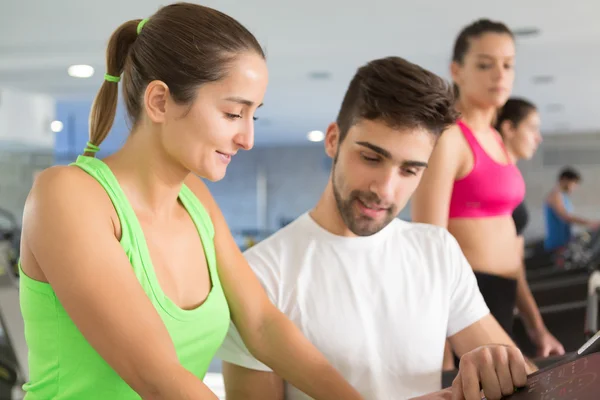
{"type": "Point", "coordinates": [515, 110]}
{"type": "Point", "coordinates": [399, 93]}
{"type": "Point", "coordinates": [569, 174]}
{"type": "Point", "coordinates": [183, 45]}
{"type": "Point", "coordinates": [473, 31]}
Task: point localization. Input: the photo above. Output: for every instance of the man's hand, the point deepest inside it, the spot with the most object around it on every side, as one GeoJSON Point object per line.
{"type": "Point", "coordinates": [445, 394]}
{"type": "Point", "coordinates": [593, 225]}
{"type": "Point", "coordinates": [496, 369]}
{"type": "Point", "coordinates": [547, 345]}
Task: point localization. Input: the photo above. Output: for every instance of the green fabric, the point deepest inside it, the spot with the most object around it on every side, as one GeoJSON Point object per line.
{"type": "Point", "coordinates": [62, 363]}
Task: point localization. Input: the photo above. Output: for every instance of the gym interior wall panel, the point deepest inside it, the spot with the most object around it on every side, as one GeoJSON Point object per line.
{"type": "Point", "coordinates": [25, 120]}
{"type": "Point", "coordinates": [71, 141]}
{"type": "Point", "coordinates": [17, 171]}
{"type": "Point", "coordinates": [236, 192]}
{"type": "Point", "coordinates": [295, 180]}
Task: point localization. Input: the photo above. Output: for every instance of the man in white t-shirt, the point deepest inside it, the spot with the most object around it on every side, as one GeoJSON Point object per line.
{"type": "Point", "coordinates": [378, 296]}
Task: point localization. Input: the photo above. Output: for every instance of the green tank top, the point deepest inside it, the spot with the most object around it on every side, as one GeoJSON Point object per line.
{"type": "Point", "coordinates": [63, 365]}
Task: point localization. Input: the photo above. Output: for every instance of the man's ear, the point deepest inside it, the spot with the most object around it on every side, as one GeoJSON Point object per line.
{"type": "Point", "coordinates": [332, 138]}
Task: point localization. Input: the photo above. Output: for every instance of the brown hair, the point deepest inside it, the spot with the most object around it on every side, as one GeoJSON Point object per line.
{"type": "Point", "coordinates": [473, 31]}
{"type": "Point", "coordinates": [183, 45]}
{"type": "Point", "coordinates": [399, 93]}
{"type": "Point", "coordinates": [569, 174]}
{"type": "Point", "coordinates": [514, 110]}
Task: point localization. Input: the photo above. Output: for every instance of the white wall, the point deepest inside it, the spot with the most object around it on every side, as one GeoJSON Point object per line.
{"type": "Point", "coordinates": [25, 119]}
{"type": "Point", "coordinates": [26, 145]}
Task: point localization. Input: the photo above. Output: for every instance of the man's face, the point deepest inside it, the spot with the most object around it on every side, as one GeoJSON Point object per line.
{"type": "Point", "coordinates": [375, 171]}
{"type": "Point", "coordinates": [569, 186]}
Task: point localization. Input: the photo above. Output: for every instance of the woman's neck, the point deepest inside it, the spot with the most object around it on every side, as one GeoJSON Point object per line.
{"type": "Point", "coordinates": [512, 154]}
{"type": "Point", "coordinates": [151, 179]}
{"type": "Point", "coordinates": [479, 119]}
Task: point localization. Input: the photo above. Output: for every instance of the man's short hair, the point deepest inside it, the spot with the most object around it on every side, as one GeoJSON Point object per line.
{"type": "Point", "coordinates": [400, 94]}
{"type": "Point", "coordinates": [569, 174]}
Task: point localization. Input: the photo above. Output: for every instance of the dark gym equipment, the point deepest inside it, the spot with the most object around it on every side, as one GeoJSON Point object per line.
{"type": "Point", "coordinates": [13, 350]}
{"type": "Point", "coordinates": [573, 371]}
{"type": "Point", "coordinates": [565, 284]}
{"type": "Point", "coordinates": [575, 377]}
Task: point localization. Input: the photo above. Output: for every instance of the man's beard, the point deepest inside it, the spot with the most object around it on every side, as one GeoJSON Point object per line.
{"type": "Point", "coordinates": [360, 225]}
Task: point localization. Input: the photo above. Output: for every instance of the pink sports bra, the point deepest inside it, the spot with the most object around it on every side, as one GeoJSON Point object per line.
{"type": "Point", "coordinates": [490, 189]}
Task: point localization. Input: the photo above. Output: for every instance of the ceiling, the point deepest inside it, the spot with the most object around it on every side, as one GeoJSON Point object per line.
{"type": "Point", "coordinates": [39, 39]}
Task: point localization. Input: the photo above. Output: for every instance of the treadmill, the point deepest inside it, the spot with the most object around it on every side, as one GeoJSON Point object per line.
{"type": "Point", "coordinates": [561, 289]}
{"type": "Point", "coordinates": [13, 348]}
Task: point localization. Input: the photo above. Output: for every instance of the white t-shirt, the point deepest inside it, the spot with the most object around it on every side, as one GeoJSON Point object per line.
{"type": "Point", "coordinates": [379, 307]}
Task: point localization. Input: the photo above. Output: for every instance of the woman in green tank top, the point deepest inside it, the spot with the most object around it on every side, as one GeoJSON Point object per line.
{"type": "Point", "coordinates": [130, 276]}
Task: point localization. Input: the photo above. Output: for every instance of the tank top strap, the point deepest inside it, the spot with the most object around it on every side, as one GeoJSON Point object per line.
{"type": "Point", "coordinates": [203, 222]}
{"type": "Point", "coordinates": [98, 170]}
{"type": "Point", "coordinates": [197, 211]}
{"type": "Point", "coordinates": [469, 137]}
{"type": "Point", "coordinates": [502, 146]}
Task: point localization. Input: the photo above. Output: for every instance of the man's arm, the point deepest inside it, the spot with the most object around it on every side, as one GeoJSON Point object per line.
{"type": "Point", "coordinates": [250, 384]}
{"type": "Point", "coordinates": [486, 331]}
{"type": "Point", "coordinates": [556, 202]}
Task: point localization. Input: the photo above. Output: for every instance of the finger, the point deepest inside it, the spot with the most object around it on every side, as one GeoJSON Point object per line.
{"type": "Point", "coordinates": [517, 367]}
{"type": "Point", "coordinates": [545, 351]}
{"type": "Point", "coordinates": [457, 388]}
{"type": "Point", "coordinates": [559, 350]}
{"type": "Point", "coordinates": [489, 377]}
{"type": "Point", "coordinates": [469, 379]}
{"type": "Point", "coordinates": [503, 370]}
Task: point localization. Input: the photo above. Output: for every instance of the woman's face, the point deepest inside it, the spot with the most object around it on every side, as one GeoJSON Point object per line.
{"type": "Point", "coordinates": [524, 139]}
{"type": "Point", "coordinates": [486, 75]}
{"type": "Point", "coordinates": [204, 137]}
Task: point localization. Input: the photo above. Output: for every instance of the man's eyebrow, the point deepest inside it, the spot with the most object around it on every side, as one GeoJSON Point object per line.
{"type": "Point", "coordinates": [384, 153]}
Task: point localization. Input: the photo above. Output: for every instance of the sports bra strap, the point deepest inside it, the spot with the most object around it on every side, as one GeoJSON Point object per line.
{"type": "Point", "coordinates": [468, 134]}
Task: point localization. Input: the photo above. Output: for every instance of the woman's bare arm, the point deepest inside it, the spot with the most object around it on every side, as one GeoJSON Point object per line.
{"type": "Point", "coordinates": [68, 233]}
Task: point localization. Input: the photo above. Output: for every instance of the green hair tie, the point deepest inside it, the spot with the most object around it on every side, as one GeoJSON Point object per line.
{"type": "Point", "coordinates": [141, 25]}
{"type": "Point", "coordinates": [91, 148]}
{"type": "Point", "coordinates": [112, 78]}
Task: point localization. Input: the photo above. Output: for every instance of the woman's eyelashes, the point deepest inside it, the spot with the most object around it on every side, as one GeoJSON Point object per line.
{"type": "Point", "coordinates": [236, 116]}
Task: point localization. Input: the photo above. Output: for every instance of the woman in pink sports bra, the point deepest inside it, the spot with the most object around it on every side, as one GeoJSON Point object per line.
{"type": "Point", "coordinates": [472, 184]}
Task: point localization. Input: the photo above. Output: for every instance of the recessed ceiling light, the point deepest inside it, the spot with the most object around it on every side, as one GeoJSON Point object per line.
{"type": "Point", "coordinates": [56, 126]}
{"type": "Point", "coordinates": [81, 71]}
{"type": "Point", "coordinates": [319, 75]}
{"type": "Point", "coordinates": [527, 31]}
{"type": "Point", "coordinates": [543, 79]}
{"type": "Point", "coordinates": [315, 136]}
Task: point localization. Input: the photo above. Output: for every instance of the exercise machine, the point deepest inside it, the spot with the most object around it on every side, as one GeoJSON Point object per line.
{"type": "Point", "coordinates": [576, 377]}
{"type": "Point", "coordinates": [13, 348]}
{"type": "Point", "coordinates": [561, 288]}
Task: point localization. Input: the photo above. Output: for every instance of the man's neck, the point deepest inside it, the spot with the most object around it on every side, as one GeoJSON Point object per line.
{"type": "Point", "coordinates": [327, 215]}
{"type": "Point", "coordinates": [562, 190]}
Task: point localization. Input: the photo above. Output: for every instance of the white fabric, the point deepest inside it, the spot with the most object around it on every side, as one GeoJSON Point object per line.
{"type": "Point", "coordinates": [378, 307]}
